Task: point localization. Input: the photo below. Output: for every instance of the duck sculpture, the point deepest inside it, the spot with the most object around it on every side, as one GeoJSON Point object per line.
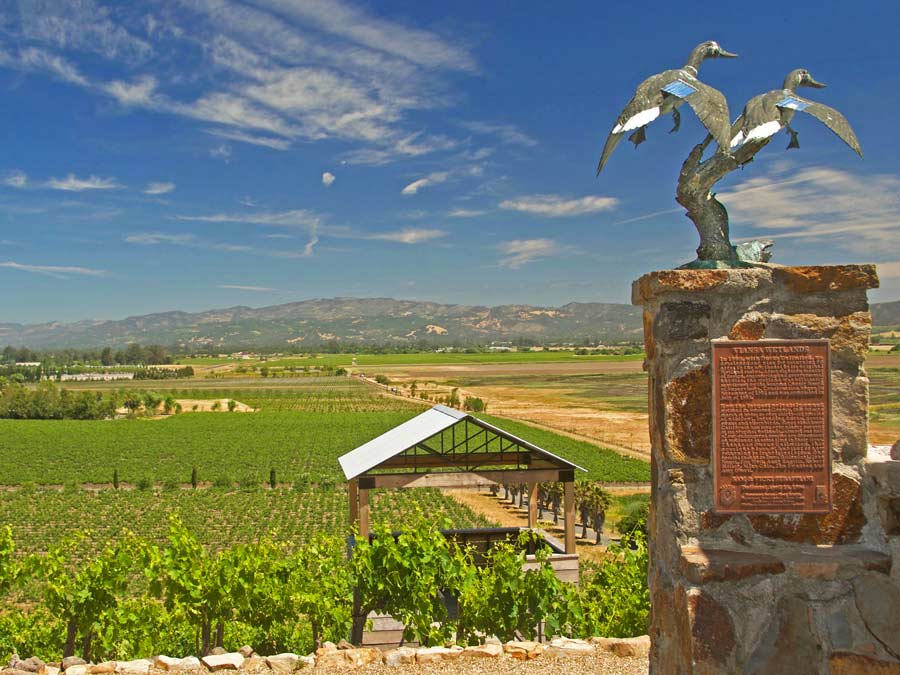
{"type": "Point", "coordinates": [664, 93]}
{"type": "Point", "coordinates": [767, 114]}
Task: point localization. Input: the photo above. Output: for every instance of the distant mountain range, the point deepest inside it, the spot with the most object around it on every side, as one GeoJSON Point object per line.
{"type": "Point", "coordinates": [362, 320]}
{"type": "Point", "coordinates": [315, 322]}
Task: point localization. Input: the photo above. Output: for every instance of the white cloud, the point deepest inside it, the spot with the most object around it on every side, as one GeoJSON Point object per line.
{"type": "Point", "coordinates": [856, 213]}
{"type": "Point", "coordinates": [410, 235]}
{"type": "Point", "coordinates": [137, 93]}
{"type": "Point", "coordinates": [268, 73]}
{"type": "Point", "coordinates": [155, 238]}
{"type": "Point", "coordinates": [72, 183]}
{"type": "Point", "coordinates": [555, 206]}
{"type": "Point", "coordinates": [507, 133]}
{"type": "Point", "coordinates": [241, 287]}
{"type": "Point", "coordinates": [222, 152]}
{"type": "Point", "coordinates": [418, 46]}
{"type": "Point", "coordinates": [328, 178]}
{"type": "Point", "coordinates": [83, 26]}
{"type": "Point", "coordinates": [467, 213]}
{"type": "Point", "coordinates": [16, 179]}
{"type": "Point", "coordinates": [293, 218]}
{"type": "Point", "coordinates": [253, 139]}
{"type": "Point", "coordinates": [159, 188]}
{"type": "Point", "coordinates": [59, 271]}
{"type": "Point", "coordinates": [520, 252]}
{"type": "Point", "coordinates": [427, 181]}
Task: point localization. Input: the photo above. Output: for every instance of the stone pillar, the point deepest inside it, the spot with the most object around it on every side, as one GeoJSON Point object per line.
{"type": "Point", "coordinates": [766, 593]}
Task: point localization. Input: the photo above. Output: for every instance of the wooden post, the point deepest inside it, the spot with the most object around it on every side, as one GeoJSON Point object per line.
{"type": "Point", "coordinates": [353, 489]}
{"type": "Point", "coordinates": [364, 514]}
{"type": "Point", "coordinates": [570, 515]}
{"type": "Point", "coordinates": [532, 504]}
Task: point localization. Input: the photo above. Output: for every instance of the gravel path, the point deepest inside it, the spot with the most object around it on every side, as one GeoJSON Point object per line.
{"type": "Point", "coordinates": [600, 662]}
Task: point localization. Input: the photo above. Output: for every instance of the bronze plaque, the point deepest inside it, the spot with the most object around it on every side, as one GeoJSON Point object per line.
{"type": "Point", "coordinates": [772, 426]}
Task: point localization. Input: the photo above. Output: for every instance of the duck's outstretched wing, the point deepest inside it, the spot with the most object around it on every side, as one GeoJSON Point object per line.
{"type": "Point", "coordinates": [711, 108]}
{"type": "Point", "coordinates": [707, 103]}
{"type": "Point", "coordinates": [642, 109]}
{"type": "Point", "coordinates": [827, 115]}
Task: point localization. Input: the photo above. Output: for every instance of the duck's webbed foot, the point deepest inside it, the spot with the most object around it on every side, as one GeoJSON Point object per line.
{"type": "Point", "coordinates": [638, 136]}
{"type": "Point", "coordinates": [676, 116]}
{"type": "Point", "coordinates": [794, 144]}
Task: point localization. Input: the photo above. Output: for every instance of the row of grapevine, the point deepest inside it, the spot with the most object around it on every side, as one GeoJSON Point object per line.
{"type": "Point", "coordinates": [133, 597]}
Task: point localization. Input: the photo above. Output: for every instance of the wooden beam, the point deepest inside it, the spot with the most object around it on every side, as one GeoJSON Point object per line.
{"type": "Point", "coordinates": [353, 489]}
{"type": "Point", "coordinates": [463, 479]}
{"type": "Point", "coordinates": [451, 461]}
{"type": "Point", "coordinates": [532, 504]}
{"type": "Point", "coordinates": [570, 516]}
{"type": "Point", "coordinates": [363, 514]}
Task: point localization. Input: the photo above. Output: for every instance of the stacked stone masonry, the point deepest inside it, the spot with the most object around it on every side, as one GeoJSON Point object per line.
{"type": "Point", "coordinates": [766, 593]}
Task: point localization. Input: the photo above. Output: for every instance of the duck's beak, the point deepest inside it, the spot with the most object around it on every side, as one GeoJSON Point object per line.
{"type": "Point", "coordinates": [727, 55]}
{"type": "Point", "coordinates": [811, 82]}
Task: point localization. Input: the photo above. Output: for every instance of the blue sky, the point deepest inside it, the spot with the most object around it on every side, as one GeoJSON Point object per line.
{"type": "Point", "coordinates": [190, 155]}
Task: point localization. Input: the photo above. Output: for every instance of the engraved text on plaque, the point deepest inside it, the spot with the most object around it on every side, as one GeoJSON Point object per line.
{"type": "Point", "coordinates": [772, 426]}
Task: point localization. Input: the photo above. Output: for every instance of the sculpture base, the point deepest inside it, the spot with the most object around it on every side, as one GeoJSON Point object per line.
{"type": "Point", "coordinates": [764, 592]}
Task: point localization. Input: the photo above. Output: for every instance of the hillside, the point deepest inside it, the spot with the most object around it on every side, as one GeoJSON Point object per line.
{"type": "Point", "coordinates": [886, 314]}
{"type": "Point", "coordinates": [313, 322]}
{"type": "Point", "coordinates": [362, 320]}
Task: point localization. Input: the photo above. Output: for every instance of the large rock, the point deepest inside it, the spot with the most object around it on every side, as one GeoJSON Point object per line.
{"type": "Point", "coordinates": [31, 665]}
{"type": "Point", "coordinates": [895, 450]}
{"type": "Point", "coordinates": [283, 663]}
{"type": "Point", "coordinates": [246, 651]}
{"type": "Point", "coordinates": [702, 565]}
{"type": "Point", "coordinates": [136, 667]}
{"type": "Point", "coordinates": [363, 656]}
{"type": "Point", "coordinates": [434, 654]}
{"type": "Point", "coordinates": [689, 417]}
{"type": "Point", "coordinates": [635, 646]}
{"type": "Point", "coordinates": [254, 664]}
{"type": "Point", "coordinates": [78, 669]}
{"type": "Point", "coordinates": [848, 663]}
{"type": "Point", "coordinates": [163, 662]}
{"type": "Point", "coordinates": [103, 668]}
{"type": "Point", "coordinates": [49, 670]}
{"type": "Point", "coordinates": [485, 651]}
{"type": "Point", "coordinates": [707, 631]}
{"type": "Point", "coordinates": [72, 661]}
{"type": "Point", "coordinates": [400, 656]}
{"type": "Point", "coordinates": [231, 661]}
{"type": "Point", "coordinates": [793, 647]}
{"type": "Point", "coordinates": [878, 601]}
{"type": "Point", "coordinates": [523, 650]}
{"type": "Point", "coordinates": [566, 647]}
{"type": "Point", "coordinates": [331, 657]}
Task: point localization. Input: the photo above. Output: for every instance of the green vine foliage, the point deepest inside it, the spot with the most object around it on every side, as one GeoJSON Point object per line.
{"type": "Point", "coordinates": [131, 598]}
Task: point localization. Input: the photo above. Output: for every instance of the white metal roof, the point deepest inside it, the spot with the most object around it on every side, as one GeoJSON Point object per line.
{"type": "Point", "coordinates": [412, 432]}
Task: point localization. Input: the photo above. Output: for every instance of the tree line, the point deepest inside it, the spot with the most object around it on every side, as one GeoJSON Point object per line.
{"type": "Point", "coordinates": [133, 355]}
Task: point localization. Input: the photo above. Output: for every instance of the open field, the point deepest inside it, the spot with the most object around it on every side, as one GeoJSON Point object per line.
{"type": "Point", "coordinates": [884, 398]}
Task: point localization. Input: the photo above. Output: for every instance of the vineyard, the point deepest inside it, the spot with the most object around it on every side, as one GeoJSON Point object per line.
{"type": "Point", "coordinates": [221, 518]}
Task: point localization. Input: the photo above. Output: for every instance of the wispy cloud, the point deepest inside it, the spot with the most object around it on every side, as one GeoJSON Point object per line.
{"type": "Point", "coordinates": [72, 183]}
{"type": "Point", "coordinates": [427, 181]}
{"type": "Point", "coordinates": [155, 238]}
{"type": "Point", "coordinates": [555, 206]}
{"type": "Point", "coordinates": [221, 151]}
{"type": "Point", "coordinates": [268, 73]}
{"type": "Point", "coordinates": [58, 271]}
{"type": "Point", "coordinates": [410, 235]}
{"type": "Point", "coordinates": [519, 252]}
{"type": "Point", "coordinates": [193, 241]}
{"type": "Point", "coordinates": [16, 179]}
{"type": "Point", "coordinates": [506, 133]}
{"type": "Point", "coordinates": [328, 178]}
{"type": "Point", "coordinates": [853, 212]}
{"type": "Point", "coordinates": [159, 188]}
{"type": "Point", "coordinates": [292, 218]}
{"type": "Point", "coordinates": [467, 213]}
{"type": "Point", "coordinates": [241, 287]}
